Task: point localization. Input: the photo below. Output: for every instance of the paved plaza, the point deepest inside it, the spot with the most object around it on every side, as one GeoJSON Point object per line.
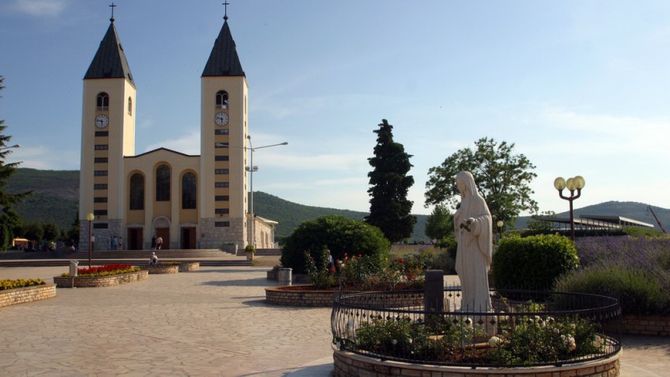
{"type": "Point", "coordinates": [213, 322]}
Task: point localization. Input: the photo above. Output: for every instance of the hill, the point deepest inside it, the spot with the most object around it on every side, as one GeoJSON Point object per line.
{"type": "Point", "coordinates": [290, 214]}
{"type": "Point", "coordinates": [55, 196]}
{"type": "Point", "coordinates": [56, 193]}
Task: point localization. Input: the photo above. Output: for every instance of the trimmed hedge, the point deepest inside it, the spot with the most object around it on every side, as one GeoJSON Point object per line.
{"type": "Point", "coordinates": [533, 262]}
{"type": "Point", "coordinates": [339, 234]}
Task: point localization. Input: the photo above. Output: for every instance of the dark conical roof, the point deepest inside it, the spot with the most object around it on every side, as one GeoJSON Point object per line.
{"type": "Point", "coordinates": [110, 60]}
{"type": "Point", "coordinates": [223, 60]}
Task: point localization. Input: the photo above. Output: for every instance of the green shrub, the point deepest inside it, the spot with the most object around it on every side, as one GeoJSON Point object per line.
{"type": "Point", "coordinates": [19, 283]}
{"type": "Point", "coordinates": [339, 234]}
{"type": "Point", "coordinates": [638, 292]}
{"type": "Point", "coordinates": [637, 231]}
{"type": "Point", "coordinates": [533, 262]}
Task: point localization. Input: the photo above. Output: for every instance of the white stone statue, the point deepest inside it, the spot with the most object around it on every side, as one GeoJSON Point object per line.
{"type": "Point", "coordinates": [473, 225]}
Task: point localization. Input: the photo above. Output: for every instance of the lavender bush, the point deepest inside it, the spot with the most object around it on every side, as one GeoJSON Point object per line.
{"type": "Point", "coordinates": [635, 270]}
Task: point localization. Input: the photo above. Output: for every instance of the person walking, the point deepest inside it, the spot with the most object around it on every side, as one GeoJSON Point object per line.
{"type": "Point", "coordinates": [159, 242]}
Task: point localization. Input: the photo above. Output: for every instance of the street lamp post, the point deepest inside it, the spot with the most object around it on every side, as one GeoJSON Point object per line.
{"type": "Point", "coordinates": [90, 217]}
{"type": "Point", "coordinates": [572, 184]}
{"type": "Point", "coordinates": [251, 169]}
{"type": "Point", "coordinates": [500, 225]}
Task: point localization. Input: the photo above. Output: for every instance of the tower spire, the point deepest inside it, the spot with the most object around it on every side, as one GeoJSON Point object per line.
{"type": "Point", "coordinates": [225, 10]}
{"type": "Point", "coordinates": [112, 5]}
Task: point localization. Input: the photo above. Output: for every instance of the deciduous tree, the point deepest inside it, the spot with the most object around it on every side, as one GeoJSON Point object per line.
{"type": "Point", "coordinates": [502, 176]}
{"type": "Point", "coordinates": [440, 223]}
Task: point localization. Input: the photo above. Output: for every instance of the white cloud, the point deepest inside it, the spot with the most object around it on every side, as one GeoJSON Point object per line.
{"type": "Point", "coordinates": [611, 134]}
{"type": "Point", "coordinates": [189, 144]}
{"type": "Point", "coordinates": [40, 8]}
{"type": "Point", "coordinates": [321, 162]}
{"type": "Point", "coordinates": [43, 157]}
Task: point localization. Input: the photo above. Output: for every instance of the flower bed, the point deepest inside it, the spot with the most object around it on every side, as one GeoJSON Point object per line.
{"type": "Point", "coordinates": [189, 266]}
{"type": "Point", "coordinates": [523, 333]}
{"type": "Point", "coordinates": [20, 291]}
{"type": "Point", "coordinates": [351, 364]}
{"type": "Point", "coordinates": [163, 268]}
{"type": "Point", "coordinates": [94, 281]}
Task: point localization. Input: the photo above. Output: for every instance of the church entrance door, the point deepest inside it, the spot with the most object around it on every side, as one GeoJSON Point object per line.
{"type": "Point", "coordinates": [135, 239]}
{"type": "Point", "coordinates": [165, 234]}
{"type": "Point", "coordinates": [188, 237]}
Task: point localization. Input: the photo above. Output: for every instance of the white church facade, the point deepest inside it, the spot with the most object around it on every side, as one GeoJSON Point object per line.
{"type": "Point", "coordinates": [191, 201]}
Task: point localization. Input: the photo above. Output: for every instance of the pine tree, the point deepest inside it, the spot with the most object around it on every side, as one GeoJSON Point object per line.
{"type": "Point", "coordinates": [389, 207]}
{"type": "Point", "coordinates": [8, 217]}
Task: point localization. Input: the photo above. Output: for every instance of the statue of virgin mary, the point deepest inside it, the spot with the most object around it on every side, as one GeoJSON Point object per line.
{"type": "Point", "coordinates": [473, 230]}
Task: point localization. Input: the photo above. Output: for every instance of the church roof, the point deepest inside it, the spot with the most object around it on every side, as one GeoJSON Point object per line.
{"type": "Point", "coordinates": [110, 60]}
{"type": "Point", "coordinates": [223, 60]}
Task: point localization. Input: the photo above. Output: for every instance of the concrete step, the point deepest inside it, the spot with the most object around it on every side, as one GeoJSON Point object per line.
{"type": "Point", "coordinates": [135, 262]}
{"type": "Point", "coordinates": [171, 253]}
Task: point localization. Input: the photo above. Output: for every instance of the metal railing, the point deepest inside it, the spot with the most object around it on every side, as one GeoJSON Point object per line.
{"type": "Point", "coordinates": [521, 328]}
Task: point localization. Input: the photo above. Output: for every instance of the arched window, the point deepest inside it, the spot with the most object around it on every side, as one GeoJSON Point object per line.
{"type": "Point", "coordinates": [163, 183]}
{"type": "Point", "coordinates": [102, 101]}
{"type": "Point", "coordinates": [130, 106]}
{"type": "Point", "coordinates": [137, 191]}
{"type": "Point", "coordinates": [188, 191]}
{"type": "Point", "coordinates": [222, 99]}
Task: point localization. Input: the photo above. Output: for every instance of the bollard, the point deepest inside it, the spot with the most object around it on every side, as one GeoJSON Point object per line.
{"type": "Point", "coordinates": [284, 276]}
{"type": "Point", "coordinates": [73, 267]}
{"type": "Point", "coordinates": [433, 291]}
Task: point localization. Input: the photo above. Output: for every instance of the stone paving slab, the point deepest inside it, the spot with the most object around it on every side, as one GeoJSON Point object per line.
{"type": "Point", "coordinates": [212, 322]}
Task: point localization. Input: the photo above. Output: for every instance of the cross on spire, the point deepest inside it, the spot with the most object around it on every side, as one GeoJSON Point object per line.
{"type": "Point", "coordinates": [225, 10]}
{"type": "Point", "coordinates": [112, 5]}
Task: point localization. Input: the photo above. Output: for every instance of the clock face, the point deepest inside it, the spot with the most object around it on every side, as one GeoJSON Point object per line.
{"type": "Point", "coordinates": [101, 121]}
{"type": "Point", "coordinates": [221, 118]}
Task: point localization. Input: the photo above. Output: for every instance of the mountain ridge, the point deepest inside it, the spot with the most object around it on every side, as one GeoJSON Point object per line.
{"type": "Point", "coordinates": [55, 195]}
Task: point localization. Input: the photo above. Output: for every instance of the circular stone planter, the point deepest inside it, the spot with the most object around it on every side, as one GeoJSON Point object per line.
{"type": "Point", "coordinates": [27, 294]}
{"type": "Point", "coordinates": [306, 295]}
{"type": "Point", "coordinates": [100, 281]}
{"type": "Point", "coordinates": [189, 266]}
{"type": "Point", "coordinates": [351, 364]}
{"type": "Point", "coordinates": [163, 269]}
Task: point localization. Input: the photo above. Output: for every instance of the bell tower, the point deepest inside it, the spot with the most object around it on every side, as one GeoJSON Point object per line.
{"type": "Point", "coordinates": [223, 146]}
{"type": "Point", "coordinates": [107, 134]}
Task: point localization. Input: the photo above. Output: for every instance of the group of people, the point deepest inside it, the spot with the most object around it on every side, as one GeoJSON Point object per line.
{"type": "Point", "coordinates": [116, 243]}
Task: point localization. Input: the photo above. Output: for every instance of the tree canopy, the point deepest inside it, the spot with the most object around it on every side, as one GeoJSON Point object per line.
{"type": "Point", "coordinates": [502, 176]}
{"type": "Point", "coordinates": [389, 207]}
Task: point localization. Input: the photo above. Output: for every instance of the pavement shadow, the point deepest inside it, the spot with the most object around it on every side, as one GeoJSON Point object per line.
{"type": "Point", "coordinates": [255, 282]}
{"type": "Point", "coordinates": [647, 343]}
{"type": "Point", "coordinates": [209, 270]}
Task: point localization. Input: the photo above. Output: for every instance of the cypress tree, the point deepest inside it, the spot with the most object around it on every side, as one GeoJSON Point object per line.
{"type": "Point", "coordinates": [389, 207]}
{"type": "Point", "coordinates": [8, 217]}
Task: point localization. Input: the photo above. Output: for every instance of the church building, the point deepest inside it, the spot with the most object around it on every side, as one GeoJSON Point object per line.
{"type": "Point", "coordinates": [190, 201]}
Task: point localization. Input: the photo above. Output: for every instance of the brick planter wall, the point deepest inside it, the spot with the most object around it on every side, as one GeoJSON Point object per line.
{"type": "Point", "coordinates": [296, 295]}
{"type": "Point", "coordinates": [27, 294]}
{"type": "Point", "coordinates": [350, 364]}
{"type": "Point", "coordinates": [654, 325]}
{"type": "Point", "coordinates": [100, 281]}
{"type": "Point", "coordinates": [163, 269]}
{"type": "Point", "coordinates": [189, 266]}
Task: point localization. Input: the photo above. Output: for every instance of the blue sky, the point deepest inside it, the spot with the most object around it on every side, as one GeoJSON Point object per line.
{"type": "Point", "coordinates": [581, 87]}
